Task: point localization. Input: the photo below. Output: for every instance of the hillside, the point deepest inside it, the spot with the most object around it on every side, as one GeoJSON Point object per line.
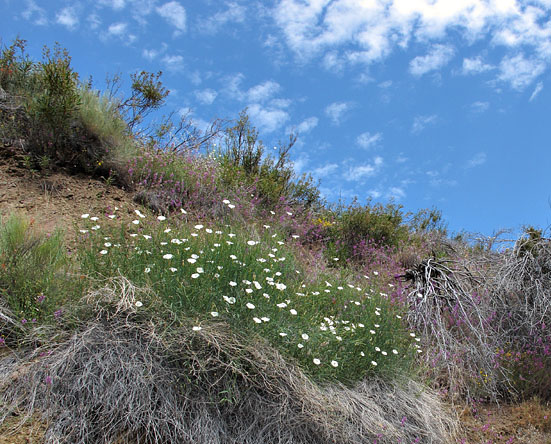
{"type": "Point", "coordinates": [210, 296]}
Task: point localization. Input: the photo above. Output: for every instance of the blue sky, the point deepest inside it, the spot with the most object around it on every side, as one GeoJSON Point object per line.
{"type": "Point", "coordinates": [434, 103]}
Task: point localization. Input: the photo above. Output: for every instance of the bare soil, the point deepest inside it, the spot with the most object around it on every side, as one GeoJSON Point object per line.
{"type": "Point", "coordinates": [55, 199]}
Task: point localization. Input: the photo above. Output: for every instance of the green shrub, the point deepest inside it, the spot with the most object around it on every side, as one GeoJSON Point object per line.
{"type": "Point", "coordinates": [244, 161]}
{"type": "Point", "coordinates": [33, 281]}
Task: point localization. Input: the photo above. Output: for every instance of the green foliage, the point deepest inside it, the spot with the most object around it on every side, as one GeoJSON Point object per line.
{"type": "Point", "coordinates": [54, 109]}
{"type": "Point", "coordinates": [252, 280]}
{"type": "Point", "coordinates": [244, 161]}
{"type": "Point", "coordinates": [33, 281]}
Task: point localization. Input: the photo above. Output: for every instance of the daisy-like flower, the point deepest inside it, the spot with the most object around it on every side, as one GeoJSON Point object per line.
{"type": "Point", "coordinates": [257, 320]}
{"type": "Point", "coordinates": [173, 269]}
{"type": "Point", "coordinates": [305, 336]}
{"type": "Point", "coordinates": [214, 314]}
{"type": "Point", "coordinates": [362, 354]}
{"type": "Point", "coordinates": [280, 286]}
{"type": "Point", "coordinates": [183, 211]}
{"type": "Point", "coordinates": [197, 328]}
{"type": "Point", "coordinates": [147, 270]}
{"type": "Point", "coordinates": [167, 230]}
{"type": "Point", "coordinates": [135, 221]}
{"type": "Point", "coordinates": [283, 334]}
{"type": "Point", "coordinates": [226, 201]}
{"type": "Point", "coordinates": [85, 216]}
{"type": "Point", "coordinates": [334, 364]}
{"type": "Point", "coordinates": [251, 242]}
{"type": "Point", "coordinates": [233, 256]}
{"type": "Point", "coordinates": [281, 305]}
{"type": "Point", "coordinates": [231, 206]}
{"type": "Point", "coordinates": [316, 361]}
{"type": "Point", "coordinates": [395, 351]}
{"type": "Point", "coordinates": [111, 216]}
{"type": "Point", "coordinates": [250, 306]}
{"type": "Point", "coordinates": [384, 353]}
{"type": "Point", "coordinates": [168, 256]}
{"type": "Point", "coordinates": [94, 218]}
{"type": "Point", "coordinates": [208, 230]}
{"type": "Point", "coordinates": [300, 345]}
{"type": "Point", "coordinates": [229, 300]}
{"type": "Point", "coordinates": [83, 231]}
{"type": "Point", "coordinates": [265, 319]}
{"type": "Point", "coordinates": [195, 275]}
{"type": "Point", "coordinates": [139, 213]}
{"type": "Point", "coordinates": [138, 304]}
{"type": "Point", "coordinates": [161, 218]}
{"type": "Point", "coordinates": [293, 311]}
{"type": "Point", "coordinates": [107, 244]}
{"type": "Point", "coordinates": [377, 349]}
{"type": "Point", "coordinates": [372, 332]}
{"type": "Point", "coordinates": [373, 363]}
{"type": "Point", "coordinates": [191, 260]}
{"type": "Point", "coordinates": [96, 227]}
{"type": "Point", "coordinates": [146, 236]}
{"type": "Point", "coordinates": [257, 285]}
{"type": "Point", "coordinates": [200, 270]}
{"type": "Point", "coordinates": [198, 227]}
{"type": "Point", "coordinates": [103, 252]}
{"type": "Point", "coordinates": [412, 335]}
{"type": "Point", "coordinates": [233, 284]}
{"type": "Point", "coordinates": [248, 290]}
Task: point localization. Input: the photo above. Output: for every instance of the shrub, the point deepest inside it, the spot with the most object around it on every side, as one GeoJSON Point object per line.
{"type": "Point", "coordinates": [33, 282]}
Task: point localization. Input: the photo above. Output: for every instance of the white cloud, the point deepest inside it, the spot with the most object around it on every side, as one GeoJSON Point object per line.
{"type": "Point", "coordinates": [421, 122]}
{"type": "Point", "coordinates": [263, 91]}
{"type": "Point", "coordinates": [35, 13]}
{"type": "Point", "coordinates": [174, 13]}
{"type": "Point", "coordinates": [307, 125]}
{"type": "Point", "coordinates": [480, 107]}
{"type": "Point", "coordinates": [235, 13]}
{"type": "Point", "coordinates": [367, 140]}
{"type": "Point", "coordinates": [67, 17]}
{"type": "Point", "coordinates": [206, 96]}
{"type": "Point", "coordinates": [336, 110]}
{"type": "Point", "coordinates": [300, 164]}
{"type": "Point", "coordinates": [396, 193]}
{"type": "Point", "coordinates": [150, 54]}
{"type": "Point", "coordinates": [173, 62]}
{"type": "Point", "coordinates": [520, 72]}
{"type": "Point", "coordinates": [115, 4]}
{"type": "Point", "coordinates": [477, 160]}
{"type": "Point", "coordinates": [364, 32]}
{"type": "Point", "coordinates": [267, 119]}
{"type": "Point", "coordinates": [360, 172]}
{"type": "Point", "coordinates": [438, 56]}
{"type": "Point", "coordinates": [94, 21]}
{"type": "Point", "coordinates": [537, 90]}
{"type": "Point", "coordinates": [325, 170]}
{"type": "Point", "coordinates": [475, 66]}
{"type": "Point", "coordinates": [117, 29]}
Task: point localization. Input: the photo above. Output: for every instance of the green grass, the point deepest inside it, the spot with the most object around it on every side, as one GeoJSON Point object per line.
{"type": "Point", "coordinates": [252, 280]}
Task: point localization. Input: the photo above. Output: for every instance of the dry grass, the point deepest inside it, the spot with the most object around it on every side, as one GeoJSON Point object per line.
{"type": "Point", "coordinates": [126, 375]}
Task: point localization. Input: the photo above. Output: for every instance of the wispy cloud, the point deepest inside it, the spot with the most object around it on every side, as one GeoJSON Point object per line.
{"type": "Point", "coordinates": [477, 160]}
{"type": "Point", "coordinates": [35, 13]}
{"type": "Point", "coordinates": [115, 4]}
{"type": "Point", "coordinates": [519, 71]}
{"type": "Point", "coordinates": [206, 96]}
{"type": "Point", "coordinates": [325, 170]}
{"type": "Point", "coordinates": [367, 140]}
{"type": "Point", "coordinates": [537, 90]}
{"type": "Point", "coordinates": [235, 13]}
{"type": "Point", "coordinates": [67, 17]}
{"type": "Point", "coordinates": [120, 30]}
{"type": "Point", "coordinates": [475, 66]}
{"type": "Point", "coordinates": [307, 125]}
{"type": "Point", "coordinates": [480, 107]}
{"type": "Point", "coordinates": [336, 111]}
{"type": "Point", "coordinates": [438, 56]}
{"type": "Point", "coordinates": [173, 62]}
{"type": "Point", "coordinates": [175, 14]}
{"type": "Point", "coordinates": [341, 32]}
{"type": "Point", "coordinates": [364, 171]}
{"type": "Point", "coordinates": [267, 119]}
{"type": "Point", "coordinates": [421, 122]}
{"type": "Point", "coordinates": [263, 91]}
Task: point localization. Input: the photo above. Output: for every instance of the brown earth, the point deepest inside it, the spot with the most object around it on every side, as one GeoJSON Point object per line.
{"type": "Point", "coordinates": [55, 199]}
